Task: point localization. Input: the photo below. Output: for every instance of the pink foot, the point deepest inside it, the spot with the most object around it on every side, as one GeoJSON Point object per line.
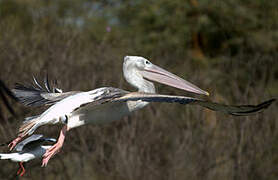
{"type": "Point", "coordinates": [55, 148]}
{"type": "Point", "coordinates": [14, 142]}
{"type": "Point", "coordinates": [50, 153]}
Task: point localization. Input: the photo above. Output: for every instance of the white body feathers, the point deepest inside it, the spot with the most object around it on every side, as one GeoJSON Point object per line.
{"type": "Point", "coordinates": [25, 156]}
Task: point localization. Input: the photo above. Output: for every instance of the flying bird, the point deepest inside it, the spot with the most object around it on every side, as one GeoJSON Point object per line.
{"type": "Point", "coordinates": [107, 104]}
{"type": "Point", "coordinates": [28, 149]}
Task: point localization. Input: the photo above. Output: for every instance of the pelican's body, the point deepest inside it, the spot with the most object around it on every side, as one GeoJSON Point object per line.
{"type": "Point", "coordinates": [90, 113]}
{"type": "Point", "coordinates": [104, 113]}
{"type": "Point", "coordinates": [108, 104]}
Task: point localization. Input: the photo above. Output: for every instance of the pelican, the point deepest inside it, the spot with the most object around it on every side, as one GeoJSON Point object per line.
{"type": "Point", "coordinates": [107, 104]}
{"type": "Point", "coordinates": [31, 148]}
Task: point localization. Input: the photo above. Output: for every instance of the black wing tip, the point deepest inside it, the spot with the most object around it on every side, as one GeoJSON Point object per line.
{"type": "Point", "coordinates": [30, 94]}
{"type": "Point", "coordinates": [266, 104]}
{"type": "Point", "coordinates": [256, 108]}
{"type": "Point", "coordinates": [43, 86]}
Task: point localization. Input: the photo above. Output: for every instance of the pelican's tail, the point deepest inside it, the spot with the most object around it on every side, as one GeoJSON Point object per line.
{"type": "Point", "coordinates": [29, 125]}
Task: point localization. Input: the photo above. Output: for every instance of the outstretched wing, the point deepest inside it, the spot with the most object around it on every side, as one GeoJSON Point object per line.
{"type": "Point", "coordinates": [237, 110]}
{"type": "Point", "coordinates": [37, 95]}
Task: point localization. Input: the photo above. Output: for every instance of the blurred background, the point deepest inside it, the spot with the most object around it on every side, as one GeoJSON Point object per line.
{"type": "Point", "coordinates": [228, 47]}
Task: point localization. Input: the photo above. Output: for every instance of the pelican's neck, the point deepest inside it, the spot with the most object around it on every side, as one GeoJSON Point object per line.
{"type": "Point", "coordinates": [134, 78]}
{"type": "Point", "coordinates": [146, 86]}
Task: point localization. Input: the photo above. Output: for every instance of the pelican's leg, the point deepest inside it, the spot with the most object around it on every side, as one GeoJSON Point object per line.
{"type": "Point", "coordinates": [56, 147]}
{"type": "Point", "coordinates": [21, 169]}
{"type": "Point", "coordinates": [14, 142]}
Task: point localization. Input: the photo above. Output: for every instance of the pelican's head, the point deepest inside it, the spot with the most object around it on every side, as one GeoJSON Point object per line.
{"type": "Point", "coordinates": [136, 69]}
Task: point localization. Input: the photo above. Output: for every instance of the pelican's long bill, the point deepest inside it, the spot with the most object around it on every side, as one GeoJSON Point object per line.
{"type": "Point", "coordinates": [155, 73]}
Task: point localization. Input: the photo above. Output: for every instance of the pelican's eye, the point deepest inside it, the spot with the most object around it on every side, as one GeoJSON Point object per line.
{"type": "Point", "coordinates": [147, 62]}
